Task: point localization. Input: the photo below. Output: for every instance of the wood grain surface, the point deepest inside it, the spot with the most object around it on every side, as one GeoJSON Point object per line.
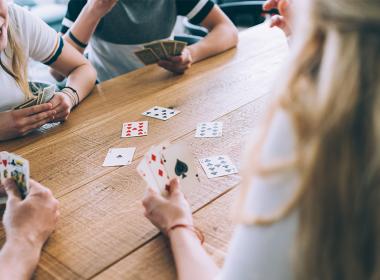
{"type": "Point", "coordinates": [102, 233]}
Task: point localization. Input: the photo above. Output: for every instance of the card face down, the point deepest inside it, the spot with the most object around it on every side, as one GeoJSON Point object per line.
{"type": "Point", "coordinates": [147, 56]}
{"type": "Point", "coordinates": [179, 163]}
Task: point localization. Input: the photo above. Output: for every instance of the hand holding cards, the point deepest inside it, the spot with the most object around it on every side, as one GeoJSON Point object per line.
{"type": "Point", "coordinates": [41, 97]}
{"type": "Point", "coordinates": [17, 168]}
{"type": "Point", "coordinates": [165, 162]}
{"type": "Point", "coordinates": [160, 50]}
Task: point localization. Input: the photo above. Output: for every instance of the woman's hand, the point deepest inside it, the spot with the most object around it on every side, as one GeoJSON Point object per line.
{"type": "Point", "coordinates": [22, 121]}
{"type": "Point", "coordinates": [31, 220]}
{"type": "Point", "coordinates": [99, 8]}
{"type": "Point", "coordinates": [165, 212]}
{"type": "Point", "coordinates": [62, 105]}
{"type": "Point", "coordinates": [178, 64]}
{"type": "Point", "coordinates": [282, 20]}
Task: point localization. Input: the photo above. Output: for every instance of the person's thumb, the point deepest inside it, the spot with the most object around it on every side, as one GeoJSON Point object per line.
{"type": "Point", "coordinates": [11, 190]}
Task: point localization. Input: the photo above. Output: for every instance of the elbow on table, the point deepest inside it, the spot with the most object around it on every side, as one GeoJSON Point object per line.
{"type": "Point", "coordinates": [234, 35]}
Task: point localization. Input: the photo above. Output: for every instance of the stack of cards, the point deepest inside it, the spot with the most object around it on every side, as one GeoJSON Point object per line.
{"type": "Point", "coordinates": [209, 129]}
{"type": "Point", "coordinates": [17, 168]}
{"type": "Point", "coordinates": [217, 166]}
{"type": "Point", "coordinates": [119, 157]}
{"type": "Point", "coordinates": [160, 50]}
{"type": "Point", "coordinates": [165, 162]}
{"type": "Point", "coordinates": [41, 96]}
{"type": "Point", "coordinates": [160, 113]}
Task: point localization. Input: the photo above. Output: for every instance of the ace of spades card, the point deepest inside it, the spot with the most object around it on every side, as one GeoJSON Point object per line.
{"type": "Point", "coordinates": [179, 162]}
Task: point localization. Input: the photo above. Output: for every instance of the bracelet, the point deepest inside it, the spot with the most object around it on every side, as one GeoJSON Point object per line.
{"type": "Point", "coordinates": [75, 92]}
{"type": "Point", "coordinates": [194, 229]}
{"type": "Point", "coordinates": [68, 94]}
{"type": "Point", "coordinates": [77, 41]}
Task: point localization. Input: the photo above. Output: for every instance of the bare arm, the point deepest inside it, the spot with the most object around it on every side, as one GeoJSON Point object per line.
{"type": "Point", "coordinates": [222, 36]}
{"type": "Point", "coordinates": [191, 259]}
{"type": "Point", "coordinates": [81, 77]}
{"type": "Point", "coordinates": [85, 25]}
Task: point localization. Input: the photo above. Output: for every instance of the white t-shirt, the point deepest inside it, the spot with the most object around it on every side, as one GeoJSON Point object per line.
{"type": "Point", "coordinates": [38, 41]}
{"type": "Point", "coordinates": [258, 252]}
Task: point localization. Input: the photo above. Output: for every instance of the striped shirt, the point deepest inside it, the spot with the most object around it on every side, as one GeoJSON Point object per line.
{"type": "Point", "coordinates": [130, 24]}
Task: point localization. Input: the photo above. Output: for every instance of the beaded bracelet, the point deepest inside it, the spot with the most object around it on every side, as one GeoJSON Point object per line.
{"type": "Point", "coordinates": [74, 92]}
{"type": "Point", "coordinates": [73, 97]}
{"type": "Point", "coordinates": [194, 229]}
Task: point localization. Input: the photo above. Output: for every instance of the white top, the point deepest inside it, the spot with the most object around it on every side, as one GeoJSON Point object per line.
{"type": "Point", "coordinates": [37, 40]}
{"type": "Point", "coordinates": [265, 252]}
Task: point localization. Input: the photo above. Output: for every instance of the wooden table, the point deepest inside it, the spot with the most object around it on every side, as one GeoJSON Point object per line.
{"type": "Point", "coordinates": [102, 233]}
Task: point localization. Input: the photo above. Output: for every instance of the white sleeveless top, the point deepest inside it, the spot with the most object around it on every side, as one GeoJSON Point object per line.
{"type": "Point", "coordinates": [258, 252]}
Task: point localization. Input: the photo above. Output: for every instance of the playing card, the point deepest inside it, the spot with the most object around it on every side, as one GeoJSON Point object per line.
{"type": "Point", "coordinates": [179, 46]}
{"type": "Point", "coordinates": [157, 168]}
{"type": "Point", "coordinates": [30, 102]}
{"type": "Point", "coordinates": [209, 129]}
{"type": "Point", "coordinates": [147, 56]}
{"type": "Point", "coordinates": [39, 97]}
{"type": "Point", "coordinates": [18, 170]}
{"type": "Point", "coordinates": [134, 129]}
{"type": "Point", "coordinates": [160, 113]}
{"type": "Point", "coordinates": [158, 49]}
{"type": "Point", "coordinates": [4, 162]}
{"type": "Point", "coordinates": [119, 157]}
{"type": "Point", "coordinates": [48, 94]}
{"type": "Point", "coordinates": [179, 162]}
{"type": "Point", "coordinates": [169, 46]}
{"type": "Point", "coordinates": [217, 166]}
{"type": "Point", "coordinates": [145, 172]}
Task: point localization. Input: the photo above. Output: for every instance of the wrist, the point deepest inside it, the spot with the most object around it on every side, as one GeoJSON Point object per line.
{"type": "Point", "coordinates": [185, 230]}
{"type": "Point", "coordinates": [21, 255]}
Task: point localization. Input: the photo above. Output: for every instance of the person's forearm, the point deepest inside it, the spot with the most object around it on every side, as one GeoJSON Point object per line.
{"type": "Point", "coordinates": [192, 261]}
{"type": "Point", "coordinates": [82, 86]}
{"type": "Point", "coordinates": [18, 260]}
{"type": "Point", "coordinates": [221, 38]}
{"type": "Point", "coordinates": [83, 27]}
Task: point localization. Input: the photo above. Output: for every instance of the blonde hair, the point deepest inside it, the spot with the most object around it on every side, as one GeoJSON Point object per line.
{"type": "Point", "coordinates": [18, 66]}
{"type": "Point", "coordinates": [332, 95]}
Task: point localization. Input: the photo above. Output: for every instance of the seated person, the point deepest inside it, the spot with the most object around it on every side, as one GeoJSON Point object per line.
{"type": "Point", "coordinates": [24, 36]}
{"type": "Point", "coordinates": [309, 206]}
{"type": "Point", "coordinates": [118, 28]}
{"type": "Point", "coordinates": [27, 224]}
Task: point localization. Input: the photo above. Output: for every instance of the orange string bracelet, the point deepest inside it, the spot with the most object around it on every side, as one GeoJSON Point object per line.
{"type": "Point", "coordinates": [194, 229]}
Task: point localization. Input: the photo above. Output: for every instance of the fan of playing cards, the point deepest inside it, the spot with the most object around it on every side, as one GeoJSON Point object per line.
{"type": "Point", "coordinates": [40, 96]}
{"type": "Point", "coordinates": [164, 162]}
{"type": "Point", "coordinates": [17, 168]}
{"type": "Point", "coordinates": [160, 50]}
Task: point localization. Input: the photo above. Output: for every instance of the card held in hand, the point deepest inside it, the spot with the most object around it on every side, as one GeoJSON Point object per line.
{"type": "Point", "coordinates": [17, 168]}
{"type": "Point", "coordinates": [179, 163]}
{"type": "Point", "coordinates": [147, 56]}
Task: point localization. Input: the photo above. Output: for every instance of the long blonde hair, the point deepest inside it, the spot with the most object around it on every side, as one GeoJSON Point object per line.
{"type": "Point", "coordinates": [332, 95]}
{"type": "Point", "coordinates": [18, 62]}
